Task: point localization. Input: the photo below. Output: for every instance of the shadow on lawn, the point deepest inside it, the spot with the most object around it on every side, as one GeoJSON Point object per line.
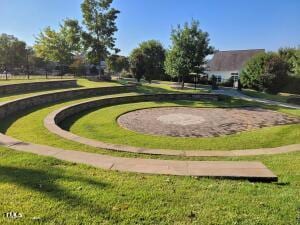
{"type": "Point", "coordinates": [46, 182]}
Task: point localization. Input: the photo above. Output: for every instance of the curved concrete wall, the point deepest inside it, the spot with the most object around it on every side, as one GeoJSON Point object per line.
{"type": "Point", "coordinates": [52, 121]}
{"type": "Point", "coordinates": [8, 108]}
{"type": "Point", "coordinates": [77, 108]}
{"type": "Point", "coordinates": [36, 86]}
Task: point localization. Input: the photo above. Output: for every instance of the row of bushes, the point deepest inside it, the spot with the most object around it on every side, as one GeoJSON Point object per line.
{"type": "Point", "coordinates": [292, 85]}
{"type": "Point", "coordinates": [271, 72]}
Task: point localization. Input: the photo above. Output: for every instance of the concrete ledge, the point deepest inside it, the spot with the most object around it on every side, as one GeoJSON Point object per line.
{"type": "Point", "coordinates": [76, 108]}
{"type": "Point", "coordinates": [52, 121]}
{"type": "Point", "coordinates": [8, 108]}
{"type": "Point", "coordinates": [253, 171]}
{"type": "Point", "coordinates": [36, 86]}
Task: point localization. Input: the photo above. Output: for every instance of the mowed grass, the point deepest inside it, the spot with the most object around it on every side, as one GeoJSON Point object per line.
{"type": "Point", "coordinates": [281, 97]}
{"type": "Point", "coordinates": [24, 79]}
{"type": "Point", "coordinates": [29, 126]}
{"type": "Point", "coordinates": [166, 87]}
{"type": "Point", "coordinates": [82, 83]}
{"type": "Point", "coordinates": [49, 191]}
{"type": "Point", "coordinates": [102, 125]}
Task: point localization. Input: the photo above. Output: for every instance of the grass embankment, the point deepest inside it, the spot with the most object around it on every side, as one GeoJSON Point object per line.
{"type": "Point", "coordinates": [82, 83]}
{"type": "Point", "coordinates": [280, 97]}
{"type": "Point", "coordinates": [102, 125]}
{"type": "Point", "coordinates": [32, 79]}
{"type": "Point", "coordinates": [30, 128]}
{"type": "Point", "coordinates": [49, 191]}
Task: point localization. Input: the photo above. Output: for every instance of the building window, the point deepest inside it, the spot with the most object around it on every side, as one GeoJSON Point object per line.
{"type": "Point", "coordinates": [219, 78]}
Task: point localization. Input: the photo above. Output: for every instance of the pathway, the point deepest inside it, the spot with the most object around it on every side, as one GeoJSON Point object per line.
{"type": "Point", "coordinates": [254, 171]}
{"type": "Point", "coordinates": [237, 94]}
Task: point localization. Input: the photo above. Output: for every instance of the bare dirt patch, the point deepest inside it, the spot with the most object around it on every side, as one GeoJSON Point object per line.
{"type": "Point", "coordinates": [201, 122]}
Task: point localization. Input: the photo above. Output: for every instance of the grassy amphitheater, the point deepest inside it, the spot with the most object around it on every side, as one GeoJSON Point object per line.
{"type": "Point", "coordinates": [77, 153]}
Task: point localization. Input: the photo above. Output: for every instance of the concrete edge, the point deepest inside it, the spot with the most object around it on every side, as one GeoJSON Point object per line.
{"type": "Point", "coordinates": [51, 122]}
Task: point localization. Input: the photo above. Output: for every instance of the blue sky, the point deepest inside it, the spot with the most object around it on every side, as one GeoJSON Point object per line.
{"type": "Point", "coordinates": [232, 24]}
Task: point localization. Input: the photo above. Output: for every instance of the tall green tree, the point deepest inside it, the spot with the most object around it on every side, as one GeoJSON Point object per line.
{"type": "Point", "coordinates": [137, 63]}
{"type": "Point", "coordinates": [13, 52]}
{"type": "Point", "coordinates": [154, 54]}
{"type": "Point", "coordinates": [117, 63]}
{"type": "Point", "coordinates": [99, 20]}
{"type": "Point", "coordinates": [190, 46]}
{"type": "Point", "coordinates": [59, 46]}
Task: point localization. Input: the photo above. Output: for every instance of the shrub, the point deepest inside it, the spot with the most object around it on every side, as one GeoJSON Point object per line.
{"type": "Point", "coordinates": [293, 85]}
{"type": "Point", "coordinates": [265, 72]}
{"type": "Point", "coordinates": [295, 101]}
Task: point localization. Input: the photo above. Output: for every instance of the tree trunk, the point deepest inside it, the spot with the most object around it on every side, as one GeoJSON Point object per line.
{"type": "Point", "coordinates": [182, 82]}
{"type": "Point", "coordinates": [5, 68]}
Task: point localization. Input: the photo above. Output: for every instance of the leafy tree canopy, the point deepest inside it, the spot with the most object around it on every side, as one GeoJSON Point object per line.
{"type": "Point", "coordinates": [265, 72]}
{"type": "Point", "coordinates": [99, 19]}
{"type": "Point", "coordinates": [152, 53]}
{"type": "Point", "coordinates": [137, 63]}
{"type": "Point", "coordinates": [292, 57]}
{"type": "Point", "coordinates": [59, 46]}
{"type": "Point", "coordinates": [12, 51]}
{"type": "Point", "coordinates": [190, 46]}
{"type": "Point", "coordinates": [117, 63]}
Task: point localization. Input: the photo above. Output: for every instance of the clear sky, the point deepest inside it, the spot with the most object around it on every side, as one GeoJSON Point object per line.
{"type": "Point", "coordinates": [232, 24]}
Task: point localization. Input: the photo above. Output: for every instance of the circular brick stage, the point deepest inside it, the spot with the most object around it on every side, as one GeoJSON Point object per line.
{"type": "Point", "coordinates": [201, 122]}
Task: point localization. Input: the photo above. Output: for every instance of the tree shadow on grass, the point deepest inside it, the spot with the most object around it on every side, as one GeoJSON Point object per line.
{"type": "Point", "coordinates": [45, 182]}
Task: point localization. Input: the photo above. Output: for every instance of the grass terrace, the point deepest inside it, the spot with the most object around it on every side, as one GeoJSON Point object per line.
{"type": "Point", "coordinates": [106, 128]}
{"type": "Point", "coordinates": [49, 191]}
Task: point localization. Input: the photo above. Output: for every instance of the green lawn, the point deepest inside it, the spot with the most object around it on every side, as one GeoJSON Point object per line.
{"type": "Point", "coordinates": [82, 83]}
{"type": "Point", "coordinates": [102, 125]}
{"type": "Point", "coordinates": [29, 126]}
{"type": "Point", "coordinates": [164, 87]}
{"type": "Point", "coordinates": [32, 79]}
{"type": "Point", "coordinates": [280, 97]}
{"type": "Point", "coordinates": [49, 191]}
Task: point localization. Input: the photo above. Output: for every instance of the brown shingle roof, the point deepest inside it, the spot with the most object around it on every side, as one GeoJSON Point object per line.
{"type": "Point", "coordinates": [231, 60]}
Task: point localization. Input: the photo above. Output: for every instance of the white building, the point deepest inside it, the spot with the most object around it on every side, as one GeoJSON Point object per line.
{"type": "Point", "coordinates": [227, 64]}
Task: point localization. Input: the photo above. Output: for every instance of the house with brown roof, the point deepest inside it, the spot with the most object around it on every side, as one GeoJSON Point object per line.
{"type": "Point", "coordinates": [227, 64]}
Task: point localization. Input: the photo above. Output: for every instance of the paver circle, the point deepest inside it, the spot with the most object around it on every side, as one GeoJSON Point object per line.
{"type": "Point", "coordinates": [201, 122]}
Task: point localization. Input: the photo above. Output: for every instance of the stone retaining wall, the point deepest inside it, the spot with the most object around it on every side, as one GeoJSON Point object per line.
{"type": "Point", "coordinates": [77, 108]}
{"type": "Point", "coordinates": [36, 86]}
{"type": "Point", "coordinates": [8, 108]}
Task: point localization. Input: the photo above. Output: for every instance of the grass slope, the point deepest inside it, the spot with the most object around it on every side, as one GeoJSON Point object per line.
{"type": "Point", "coordinates": [49, 191]}
{"type": "Point", "coordinates": [102, 125]}
{"type": "Point", "coordinates": [82, 83]}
